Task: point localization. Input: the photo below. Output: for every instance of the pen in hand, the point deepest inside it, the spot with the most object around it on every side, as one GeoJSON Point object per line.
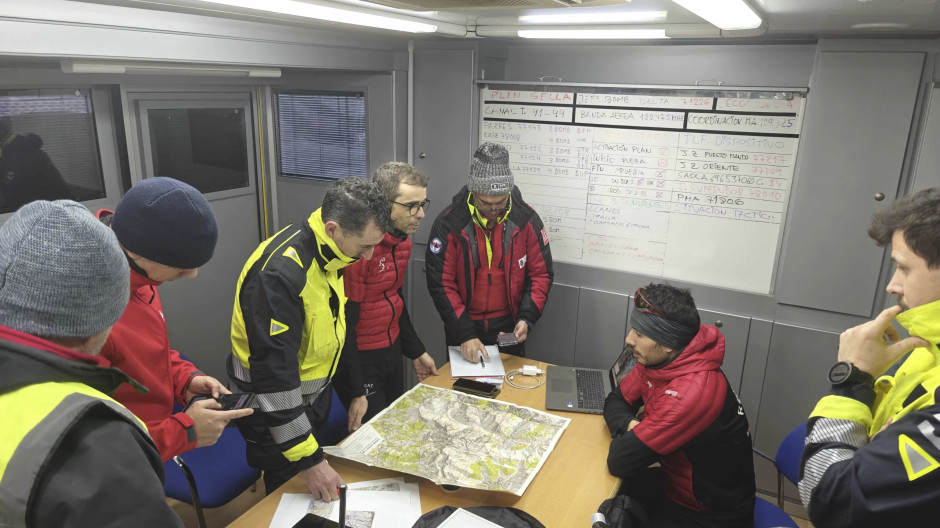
{"type": "Point", "coordinates": [482, 365]}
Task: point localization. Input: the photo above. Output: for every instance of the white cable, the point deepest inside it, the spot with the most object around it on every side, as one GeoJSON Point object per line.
{"type": "Point", "coordinates": [527, 370]}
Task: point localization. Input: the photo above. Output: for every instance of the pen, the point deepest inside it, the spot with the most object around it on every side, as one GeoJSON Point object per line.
{"type": "Point", "coordinates": [342, 505]}
{"type": "Point", "coordinates": [482, 365]}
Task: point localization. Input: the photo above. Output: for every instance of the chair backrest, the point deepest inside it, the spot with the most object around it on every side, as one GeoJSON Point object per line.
{"type": "Point", "coordinates": [768, 515]}
{"type": "Point", "coordinates": [789, 453]}
{"type": "Point", "coordinates": [221, 472]}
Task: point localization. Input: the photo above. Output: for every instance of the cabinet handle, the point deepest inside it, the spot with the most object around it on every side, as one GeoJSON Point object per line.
{"type": "Point", "coordinates": [879, 197]}
{"type": "Point", "coordinates": [422, 155]}
{"type": "Point", "coordinates": [719, 324]}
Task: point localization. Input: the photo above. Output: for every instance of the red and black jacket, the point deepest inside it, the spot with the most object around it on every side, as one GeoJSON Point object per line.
{"type": "Point", "coordinates": [453, 257]}
{"type": "Point", "coordinates": [693, 425]}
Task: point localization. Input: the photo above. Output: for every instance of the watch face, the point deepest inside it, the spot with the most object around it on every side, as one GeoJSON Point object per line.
{"type": "Point", "coordinates": [839, 372]}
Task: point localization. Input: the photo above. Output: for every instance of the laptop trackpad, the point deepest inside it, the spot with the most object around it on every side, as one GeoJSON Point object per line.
{"type": "Point", "coordinates": [561, 385]}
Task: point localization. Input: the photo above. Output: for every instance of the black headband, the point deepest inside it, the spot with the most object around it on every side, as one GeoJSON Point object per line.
{"type": "Point", "coordinates": [665, 332]}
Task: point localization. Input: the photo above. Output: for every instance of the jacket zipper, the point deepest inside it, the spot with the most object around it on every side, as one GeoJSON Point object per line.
{"type": "Point", "coordinates": [391, 306]}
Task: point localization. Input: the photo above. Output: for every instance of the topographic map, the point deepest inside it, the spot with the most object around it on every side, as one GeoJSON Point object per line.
{"type": "Point", "coordinates": [457, 439]}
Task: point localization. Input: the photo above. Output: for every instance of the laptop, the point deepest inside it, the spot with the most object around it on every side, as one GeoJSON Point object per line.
{"type": "Point", "coordinates": [583, 389]}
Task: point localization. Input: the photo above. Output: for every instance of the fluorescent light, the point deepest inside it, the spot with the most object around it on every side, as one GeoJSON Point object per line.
{"type": "Point", "coordinates": [161, 68]}
{"type": "Point", "coordinates": [611, 34]}
{"type": "Point", "coordinates": [726, 14]}
{"type": "Point", "coordinates": [604, 17]}
{"type": "Point", "coordinates": [331, 14]}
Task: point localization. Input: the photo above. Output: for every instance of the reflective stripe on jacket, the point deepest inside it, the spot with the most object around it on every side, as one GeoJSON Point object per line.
{"type": "Point", "coordinates": [288, 328]}
{"type": "Point", "coordinates": [36, 418]}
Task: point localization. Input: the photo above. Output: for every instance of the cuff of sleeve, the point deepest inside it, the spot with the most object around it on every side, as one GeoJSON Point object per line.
{"type": "Point", "coordinates": [528, 323]}
{"type": "Point", "coordinates": [310, 461]}
{"type": "Point", "coordinates": [188, 425]}
{"type": "Point", "coordinates": [413, 354]}
{"type": "Point", "coordinates": [843, 408]}
{"type": "Point", "coordinates": [862, 390]}
{"type": "Point", "coordinates": [192, 376]}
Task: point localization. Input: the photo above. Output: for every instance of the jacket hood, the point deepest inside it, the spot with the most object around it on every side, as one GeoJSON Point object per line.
{"type": "Point", "coordinates": [705, 352]}
{"type": "Point", "coordinates": [27, 360]}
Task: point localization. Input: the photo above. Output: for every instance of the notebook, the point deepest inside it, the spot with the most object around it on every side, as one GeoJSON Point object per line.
{"type": "Point", "coordinates": [489, 368]}
{"type": "Point", "coordinates": [582, 389]}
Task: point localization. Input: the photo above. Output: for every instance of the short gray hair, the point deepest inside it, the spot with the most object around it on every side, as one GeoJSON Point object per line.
{"type": "Point", "coordinates": [353, 203]}
{"type": "Point", "coordinates": [390, 176]}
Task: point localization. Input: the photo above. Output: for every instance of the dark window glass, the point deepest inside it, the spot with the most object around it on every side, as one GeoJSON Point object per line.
{"type": "Point", "coordinates": [204, 147]}
{"type": "Point", "coordinates": [48, 148]}
{"type": "Point", "coordinates": [321, 135]}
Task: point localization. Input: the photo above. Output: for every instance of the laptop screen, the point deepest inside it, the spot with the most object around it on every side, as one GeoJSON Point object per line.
{"type": "Point", "coordinates": [622, 367]}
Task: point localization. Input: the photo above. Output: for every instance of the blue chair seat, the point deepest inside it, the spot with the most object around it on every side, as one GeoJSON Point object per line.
{"type": "Point", "coordinates": [221, 472]}
{"type": "Point", "coordinates": [768, 515]}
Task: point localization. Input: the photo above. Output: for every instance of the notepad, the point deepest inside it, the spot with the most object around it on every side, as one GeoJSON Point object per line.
{"type": "Point", "coordinates": [462, 518]}
{"type": "Point", "coordinates": [461, 368]}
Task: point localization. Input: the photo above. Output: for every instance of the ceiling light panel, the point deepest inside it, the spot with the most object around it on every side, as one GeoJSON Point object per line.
{"type": "Point", "coordinates": [331, 14]}
{"type": "Point", "coordinates": [725, 14]}
{"type": "Point", "coordinates": [600, 17]}
{"type": "Point", "coordinates": [606, 34]}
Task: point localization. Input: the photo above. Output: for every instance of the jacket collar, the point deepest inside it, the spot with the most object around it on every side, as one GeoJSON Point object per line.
{"type": "Point", "coordinates": [27, 359]}
{"type": "Point", "coordinates": [923, 322]}
{"type": "Point", "coordinates": [328, 255]}
{"type": "Point", "coordinates": [138, 280]}
{"type": "Point", "coordinates": [705, 352]}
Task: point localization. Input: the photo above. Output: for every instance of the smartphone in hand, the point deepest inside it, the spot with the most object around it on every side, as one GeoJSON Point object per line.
{"type": "Point", "coordinates": [229, 402]}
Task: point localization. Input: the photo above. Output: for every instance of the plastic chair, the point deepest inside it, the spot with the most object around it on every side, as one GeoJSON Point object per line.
{"type": "Point", "coordinates": [336, 427]}
{"type": "Point", "coordinates": [787, 463]}
{"type": "Point", "coordinates": [787, 459]}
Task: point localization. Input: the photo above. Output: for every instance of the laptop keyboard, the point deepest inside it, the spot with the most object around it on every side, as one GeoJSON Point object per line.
{"type": "Point", "coordinates": [590, 389]}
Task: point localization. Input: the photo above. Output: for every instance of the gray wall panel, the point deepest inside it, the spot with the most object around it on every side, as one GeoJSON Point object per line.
{"type": "Point", "coordinates": [602, 320]}
{"type": "Point", "coordinates": [424, 315]}
{"type": "Point", "coordinates": [735, 329]}
{"type": "Point", "coordinates": [755, 363]}
{"type": "Point", "coordinates": [794, 381]}
{"type": "Point", "coordinates": [853, 147]}
{"type": "Point", "coordinates": [553, 338]}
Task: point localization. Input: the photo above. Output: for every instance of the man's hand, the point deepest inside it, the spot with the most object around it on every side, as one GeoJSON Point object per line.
{"type": "Point", "coordinates": [470, 350]}
{"type": "Point", "coordinates": [323, 481]}
{"type": "Point", "coordinates": [205, 386]}
{"type": "Point", "coordinates": [865, 345]}
{"type": "Point", "coordinates": [424, 366]}
{"type": "Point", "coordinates": [210, 422]}
{"type": "Point", "coordinates": [357, 409]}
{"type": "Point", "coordinates": [633, 423]}
{"type": "Point", "coordinates": [521, 331]}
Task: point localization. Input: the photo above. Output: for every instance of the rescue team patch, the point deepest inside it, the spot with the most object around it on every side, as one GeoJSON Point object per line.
{"type": "Point", "coordinates": [278, 327]}
{"type": "Point", "coordinates": [916, 461]}
{"type": "Point", "coordinates": [544, 237]}
{"type": "Point", "coordinates": [522, 261]}
{"type": "Point", "coordinates": [291, 253]}
{"type": "Point", "coordinates": [436, 246]}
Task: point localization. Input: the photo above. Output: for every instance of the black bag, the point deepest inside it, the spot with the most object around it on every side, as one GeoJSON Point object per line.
{"type": "Point", "coordinates": [624, 512]}
{"type": "Point", "coordinates": [503, 516]}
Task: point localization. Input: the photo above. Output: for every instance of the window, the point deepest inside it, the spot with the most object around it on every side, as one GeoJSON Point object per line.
{"type": "Point", "coordinates": [48, 147]}
{"type": "Point", "coordinates": [204, 147]}
{"type": "Point", "coordinates": [321, 135]}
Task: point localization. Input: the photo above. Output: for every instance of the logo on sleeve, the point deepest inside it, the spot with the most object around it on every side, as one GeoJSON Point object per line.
{"type": "Point", "coordinates": [544, 237]}
{"type": "Point", "coordinates": [522, 261]}
{"type": "Point", "coordinates": [916, 460]}
{"type": "Point", "coordinates": [278, 327]}
{"type": "Point", "coordinates": [291, 253]}
{"type": "Point", "coordinates": [436, 246]}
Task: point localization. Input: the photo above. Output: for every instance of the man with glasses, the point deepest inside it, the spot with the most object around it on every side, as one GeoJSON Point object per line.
{"type": "Point", "coordinates": [693, 423]}
{"type": "Point", "coordinates": [378, 328]}
{"type": "Point", "coordinates": [489, 267]}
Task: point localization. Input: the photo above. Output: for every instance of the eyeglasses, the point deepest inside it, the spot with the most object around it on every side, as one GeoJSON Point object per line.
{"type": "Point", "coordinates": [643, 305]}
{"type": "Point", "coordinates": [497, 207]}
{"type": "Point", "coordinates": [413, 208]}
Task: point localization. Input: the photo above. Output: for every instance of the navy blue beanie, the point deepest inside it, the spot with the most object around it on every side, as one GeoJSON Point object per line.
{"type": "Point", "coordinates": [168, 222]}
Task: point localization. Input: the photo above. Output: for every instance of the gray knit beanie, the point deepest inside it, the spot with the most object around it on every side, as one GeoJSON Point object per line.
{"type": "Point", "coordinates": [62, 272]}
{"type": "Point", "coordinates": [489, 171]}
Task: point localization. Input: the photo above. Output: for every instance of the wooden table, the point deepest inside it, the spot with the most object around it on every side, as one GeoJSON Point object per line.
{"type": "Point", "coordinates": [566, 491]}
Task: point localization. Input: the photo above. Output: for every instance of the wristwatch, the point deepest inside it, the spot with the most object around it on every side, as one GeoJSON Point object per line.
{"type": "Point", "coordinates": [844, 372]}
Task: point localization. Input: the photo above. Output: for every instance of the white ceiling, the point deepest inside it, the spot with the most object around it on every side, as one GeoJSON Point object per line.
{"type": "Point", "coordinates": [784, 18]}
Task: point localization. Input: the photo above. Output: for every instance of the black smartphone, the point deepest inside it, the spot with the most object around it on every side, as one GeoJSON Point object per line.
{"type": "Point", "coordinates": [477, 388]}
{"type": "Point", "coordinates": [504, 340]}
{"type": "Point", "coordinates": [315, 521]}
{"type": "Point", "coordinates": [229, 402]}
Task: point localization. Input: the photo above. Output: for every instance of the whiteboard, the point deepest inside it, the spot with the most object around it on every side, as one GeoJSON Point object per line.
{"type": "Point", "coordinates": [680, 183]}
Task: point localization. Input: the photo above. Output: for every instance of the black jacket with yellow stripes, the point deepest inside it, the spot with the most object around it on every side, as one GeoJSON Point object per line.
{"type": "Point", "coordinates": [288, 328]}
{"type": "Point", "coordinates": [873, 452]}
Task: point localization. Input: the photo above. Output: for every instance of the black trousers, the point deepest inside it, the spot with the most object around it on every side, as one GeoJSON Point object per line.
{"type": "Point", "coordinates": [382, 375]}
{"type": "Point", "coordinates": [647, 489]}
{"type": "Point", "coordinates": [263, 453]}
{"type": "Point", "coordinates": [487, 330]}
